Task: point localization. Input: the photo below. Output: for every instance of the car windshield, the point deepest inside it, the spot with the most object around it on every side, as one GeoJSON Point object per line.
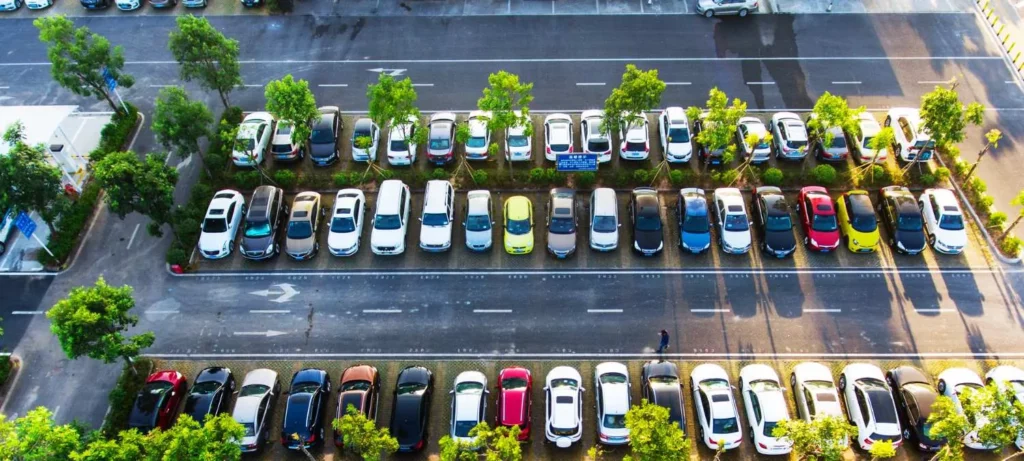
{"type": "Point", "coordinates": [696, 224]}
{"type": "Point", "coordinates": [281, 148]}
{"type": "Point", "coordinates": [824, 223]}
{"type": "Point", "coordinates": [648, 223]}
{"type": "Point", "coordinates": [864, 223]}
{"type": "Point", "coordinates": [410, 388]}
{"type": "Point", "coordinates": [439, 144]}
{"type": "Point", "coordinates": [478, 223]}
{"type": "Point", "coordinates": [462, 428]}
{"type": "Point", "coordinates": [778, 223]}
{"type": "Point", "coordinates": [866, 143]}
{"type": "Point", "coordinates": [838, 142]}
{"type": "Point", "coordinates": [343, 225]}
{"type": "Point", "coordinates": [562, 226]}
{"type": "Point", "coordinates": [399, 145]}
{"type": "Point", "coordinates": [724, 425]}
{"type": "Point", "coordinates": [663, 379]}
{"type": "Point", "coordinates": [469, 388]}
{"type": "Point", "coordinates": [322, 136]}
{"type": "Point", "coordinates": [736, 222]}
{"type": "Point", "coordinates": [769, 426]}
{"type": "Point", "coordinates": [299, 230]}
{"type": "Point", "coordinates": [678, 135]}
{"type": "Point", "coordinates": [387, 222]}
{"type": "Point", "coordinates": [517, 141]}
{"type": "Point", "coordinates": [563, 382]}
{"type": "Point", "coordinates": [951, 222]}
{"type": "Point", "coordinates": [604, 224]}
{"type": "Point", "coordinates": [257, 229]}
{"type": "Point", "coordinates": [355, 386]}
{"type": "Point", "coordinates": [598, 145]}
{"type": "Point", "coordinates": [796, 144]}
{"type": "Point", "coordinates": [613, 378]}
{"type": "Point", "coordinates": [910, 223]}
{"type": "Point", "coordinates": [476, 141]}
{"type": "Point", "coordinates": [253, 389]}
{"type": "Point", "coordinates": [435, 219]}
{"type": "Point", "coordinates": [614, 421]}
{"type": "Point", "coordinates": [250, 429]}
{"type": "Point", "coordinates": [518, 226]}
{"type": "Point", "coordinates": [635, 146]}
{"type": "Point", "coordinates": [204, 388]}
{"type": "Point", "coordinates": [247, 144]}
{"type": "Point", "coordinates": [214, 225]}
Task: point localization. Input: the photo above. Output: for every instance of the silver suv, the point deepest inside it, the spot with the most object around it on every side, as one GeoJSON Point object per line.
{"type": "Point", "coordinates": [711, 8]}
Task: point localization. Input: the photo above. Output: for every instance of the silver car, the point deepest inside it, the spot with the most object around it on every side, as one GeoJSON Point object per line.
{"type": "Point", "coordinates": [561, 211]}
{"type": "Point", "coordinates": [254, 407]}
{"type": "Point", "coordinates": [479, 222]}
{"type": "Point", "coordinates": [300, 242]}
{"type": "Point", "coordinates": [711, 8]}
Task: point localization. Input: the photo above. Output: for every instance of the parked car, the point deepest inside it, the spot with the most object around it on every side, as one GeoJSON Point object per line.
{"type": "Point", "coordinates": [518, 216]}
{"type": "Point", "coordinates": [479, 220]}
{"type": "Point", "coordinates": [95, 4]}
{"type": "Point", "coordinates": [10, 5]}
{"type": "Point", "coordinates": [789, 136]}
{"type": "Point", "coordinates": [635, 143]}
{"type": "Point", "coordinates": [266, 210]}
{"type": "Point", "coordinates": [563, 396]}
{"type": "Point", "coordinates": [210, 393]}
{"type": "Point", "coordinates": [518, 146]}
{"type": "Point", "coordinates": [515, 397]}
{"type": "Point", "coordinates": [304, 411]}
{"type": "Point", "coordinates": [390, 219]}
{"type": "Point", "coordinates": [711, 8]}
{"type": "Point", "coordinates": [1012, 378]}
{"type": "Point", "coordinates": [557, 135]}
{"type": "Point", "coordinates": [943, 221]}
{"type": "Point", "coordinates": [479, 135]}
{"type": "Point", "coordinates": [869, 405]}
{"type": "Point", "coordinates": [365, 140]}
{"type": "Point", "coordinates": [836, 151]}
{"type": "Point", "coordinates": [40, 4]}
{"type": "Point", "coordinates": [251, 3]}
{"type": "Point", "coordinates": [645, 221]}
{"type": "Point", "coordinates": [157, 403]}
{"type": "Point", "coordinates": [857, 221]}
{"type": "Point", "coordinates": [346, 229]}
{"type": "Point", "coordinates": [441, 138]}
{"type": "Point", "coordinates": [401, 149]}
{"type": "Point", "coordinates": [660, 385]}
{"type": "Point", "coordinates": [128, 5]}
{"type": "Point", "coordinates": [914, 396]}
{"type": "Point", "coordinates": [717, 418]}
{"type": "Point", "coordinates": [731, 220]}
{"type": "Point", "coordinates": [693, 220]}
{"type": "Point", "coordinates": [774, 222]}
{"type": "Point", "coordinates": [253, 135]}
{"type": "Point", "coordinates": [611, 389]}
{"type": "Point", "coordinates": [761, 149]}
{"type": "Point", "coordinates": [438, 216]}
{"type": "Point", "coordinates": [410, 415]}
{"type": "Point", "coordinates": [469, 405]}
{"type": "Point", "coordinates": [303, 224]}
{"type": "Point", "coordinates": [766, 406]}
{"type": "Point", "coordinates": [561, 221]}
{"type": "Point", "coordinates": [193, 3]}
{"type": "Point", "coordinates": [604, 219]}
{"type": "Point", "coordinates": [221, 224]}
{"type": "Point", "coordinates": [911, 142]}
{"type": "Point", "coordinates": [814, 392]}
{"type": "Point", "coordinates": [869, 128]}
{"type": "Point", "coordinates": [323, 140]}
{"type": "Point", "coordinates": [901, 216]}
{"type": "Point", "coordinates": [359, 390]}
{"type": "Point", "coordinates": [818, 217]}
{"type": "Point", "coordinates": [674, 132]}
{"type": "Point", "coordinates": [254, 407]}
{"type": "Point", "coordinates": [595, 141]}
{"type": "Point", "coordinates": [708, 156]}
{"type": "Point", "coordinates": [283, 147]}
{"type": "Point", "coordinates": [953, 382]}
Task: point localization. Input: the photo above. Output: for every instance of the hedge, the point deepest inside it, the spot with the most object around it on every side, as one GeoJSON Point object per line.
{"type": "Point", "coordinates": [115, 135]}
{"type": "Point", "coordinates": [122, 397]}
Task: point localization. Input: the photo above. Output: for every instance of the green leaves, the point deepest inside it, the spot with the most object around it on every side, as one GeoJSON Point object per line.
{"type": "Point", "coordinates": [215, 439]}
{"type": "Point", "coordinates": [290, 99]}
{"type": "Point", "coordinates": [832, 111]}
{"type": "Point", "coordinates": [639, 92]}
{"type": "Point", "coordinates": [653, 437]}
{"type": "Point", "coordinates": [35, 437]}
{"type": "Point", "coordinates": [508, 100]}
{"type": "Point", "coordinates": [823, 439]}
{"type": "Point", "coordinates": [133, 185]}
{"type": "Point", "coordinates": [394, 101]}
{"type": "Point", "coordinates": [206, 56]}
{"type": "Point", "coordinates": [945, 117]}
{"type": "Point", "coordinates": [498, 444]}
{"type": "Point", "coordinates": [29, 182]}
{"type": "Point", "coordinates": [720, 122]}
{"type": "Point", "coordinates": [362, 436]}
{"type": "Point", "coordinates": [993, 412]}
{"type": "Point", "coordinates": [180, 122]}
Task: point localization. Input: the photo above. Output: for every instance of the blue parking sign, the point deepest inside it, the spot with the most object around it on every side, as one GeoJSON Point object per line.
{"type": "Point", "coordinates": [576, 162]}
{"type": "Point", "coordinates": [25, 224]}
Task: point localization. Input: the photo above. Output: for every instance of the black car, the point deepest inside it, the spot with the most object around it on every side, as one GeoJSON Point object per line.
{"type": "Point", "coordinates": [660, 385]}
{"type": "Point", "coordinates": [411, 408]}
{"type": "Point", "coordinates": [304, 412]}
{"type": "Point", "coordinates": [901, 216]}
{"type": "Point", "coordinates": [266, 210]}
{"type": "Point", "coordinates": [914, 395]}
{"type": "Point", "coordinates": [773, 221]}
{"type": "Point", "coordinates": [323, 140]}
{"type": "Point", "coordinates": [708, 156]}
{"type": "Point", "coordinates": [210, 393]}
{"type": "Point", "coordinates": [95, 4]}
{"type": "Point", "coordinates": [645, 216]}
{"type": "Point", "coordinates": [163, 3]}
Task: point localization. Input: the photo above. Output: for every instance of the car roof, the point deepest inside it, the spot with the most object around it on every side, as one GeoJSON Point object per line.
{"type": "Point", "coordinates": [391, 190]}
{"type": "Point", "coordinates": [346, 198]}
{"type": "Point", "coordinates": [223, 199]}
{"type": "Point", "coordinates": [647, 203]}
{"type": "Point", "coordinates": [676, 116]}
{"type": "Point", "coordinates": [559, 130]}
{"type": "Point", "coordinates": [358, 373]}
{"type": "Point", "coordinates": [605, 202]}
{"type": "Point", "coordinates": [303, 204]}
{"type": "Point", "coordinates": [730, 196]}
{"type": "Point", "coordinates": [309, 375]}
{"type": "Point", "coordinates": [860, 204]}
{"type": "Point", "coordinates": [245, 408]}
{"type": "Point", "coordinates": [616, 398]}
{"type": "Point", "coordinates": [637, 132]}
{"type": "Point", "coordinates": [477, 126]}
{"type": "Point", "coordinates": [563, 372]}
{"type": "Point", "coordinates": [944, 197]}
{"type": "Point", "coordinates": [478, 202]}
{"type": "Point", "coordinates": [260, 376]}
{"type": "Point", "coordinates": [868, 125]}
{"type": "Point", "coordinates": [440, 129]}
{"type": "Point", "coordinates": [467, 407]}
{"type": "Point", "coordinates": [414, 374]}
{"type": "Point", "coordinates": [821, 202]}
{"type": "Point", "coordinates": [754, 125]}
{"type": "Point", "coordinates": [773, 405]}
{"type": "Point", "coordinates": [562, 201]}
{"type": "Point", "coordinates": [434, 197]}
{"type": "Point", "coordinates": [661, 369]}
{"type": "Point", "coordinates": [519, 207]}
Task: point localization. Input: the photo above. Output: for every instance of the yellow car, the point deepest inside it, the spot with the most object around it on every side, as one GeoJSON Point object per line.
{"type": "Point", "coordinates": [857, 221]}
{"type": "Point", "coordinates": [518, 225]}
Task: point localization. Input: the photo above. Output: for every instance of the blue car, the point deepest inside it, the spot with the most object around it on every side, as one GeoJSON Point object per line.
{"type": "Point", "coordinates": [692, 217]}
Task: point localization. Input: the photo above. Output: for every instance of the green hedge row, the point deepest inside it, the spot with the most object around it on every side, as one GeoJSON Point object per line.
{"type": "Point", "coordinates": [122, 397]}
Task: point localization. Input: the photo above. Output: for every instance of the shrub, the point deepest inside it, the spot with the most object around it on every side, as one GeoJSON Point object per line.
{"type": "Point", "coordinates": [986, 202]}
{"type": "Point", "coordinates": [878, 174]}
{"type": "Point", "coordinates": [286, 179]}
{"type": "Point", "coordinates": [115, 135]}
{"type": "Point", "coordinates": [675, 177]}
{"type": "Point", "coordinates": [177, 255]}
{"type": "Point", "coordinates": [6, 365]}
{"type": "Point", "coordinates": [824, 175]}
{"type": "Point", "coordinates": [585, 179]}
{"type": "Point", "coordinates": [246, 179]}
{"type": "Point", "coordinates": [536, 175]}
{"type": "Point", "coordinates": [641, 176]}
{"type": "Point", "coordinates": [551, 175]}
{"type": "Point", "coordinates": [928, 180]}
{"type": "Point", "coordinates": [773, 177]}
{"type": "Point", "coordinates": [480, 177]}
{"type": "Point", "coordinates": [122, 397]}
{"type": "Point", "coordinates": [384, 175]}
{"type": "Point", "coordinates": [357, 178]}
{"type": "Point", "coordinates": [341, 179]}
{"type": "Point", "coordinates": [70, 225]}
{"type": "Point", "coordinates": [977, 185]}
{"type": "Point", "coordinates": [621, 178]}
{"type": "Point", "coordinates": [1010, 245]}
{"type": "Point", "coordinates": [439, 173]}
{"type": "Point", "coordinates": [233, 115]}
{"type": "Point", "coordinates": [201, 192]}
{"type": "Point", "coordinates": [996, 220]}
{"type": "Point", "coordinates": [961, 167]}
{"type": "Point", "coordinates": [728, 176]}
{"type": "Point", "coordinates": [942, 174]}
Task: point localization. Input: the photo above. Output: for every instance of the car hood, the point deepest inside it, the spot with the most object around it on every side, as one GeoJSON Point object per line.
{"type": "Point", "coordinates": [951, 238]}
{"type": "Point", "coordinates": [213, 242]}
{"type": "Point", "coordinates": [257, 243]}
{"type": "Point", "coordinates": [736, 239]}
{"type": "Point", "coordinates": [386, 237]}
{"type": "Point", "coordinates": [436, 235]}
{"type": "Point", "coordinates": [648, 240]}
{"type": "Point", "coordinates": [519, 239]}
{"type": "Point", "coordinates": [299, 247]}
{"type": "Point", "coordinates": [780, 240]}
{"type": "Point", "coordinates": [321, 150]}
{"type": "Point", "coordinates": [604, 238]}
{"type": "Point", "coordinates": [342, 241]}
{"type": "Point", "coordinates": [561, 242]}
{"type": "Point", "coordinates": [680, 148]}
{"type": "Point", "coordinates": [911, 240]}
{"type": "Point", "coordinates": [825, 238]}
{"type": "Point", "coordinates": [696, 241]}
{"type": "Point", "coordinates": [478, 237]}
{"type": "Point", "coordinates": [198, 405]}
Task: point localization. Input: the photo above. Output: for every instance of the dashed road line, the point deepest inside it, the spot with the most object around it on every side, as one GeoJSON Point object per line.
{"type": "Point", "coordinates": [708, 311]}
{"type": "Point", "coordinates": [760, 83]}
{"type": "Point", "coordinates": [28, 312]}
{"type": "Point", "coordinates": [850, 82]}
{"type": "Point", "coordinates": [382, 311]}
{"type": "Point", "coordinates": [131, 240]}
{"type": "Point", "coordinates": [933, 82]}
{"type": "Point", "coordinates": [492, 311]}
{"type": "Point", "coordinates": [270, 311]}
{"type": "Point", "coordinates": [678, 83]}
{"type": "Point", "coordinates": [604, 311]}
{"type": "Point", "coordinates": [252, 86]}
{"type": "Point", "coordinates": [422, 84]}
{"type": "Point", "coordinates": [333, 85]}
{"type": "Point", "coordinates": [827, 311]}
{"type": "Point", "coordinates": [589, 83]}
{"type": "Point", "coordinates": [162, 311]}
{"type": "Point", "coordinates": [935, 311]}
{"type": "Point", "coordinates": [605, 272]}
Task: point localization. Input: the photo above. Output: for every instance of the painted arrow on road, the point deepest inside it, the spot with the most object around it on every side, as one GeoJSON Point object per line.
{"type": "Point", "coordinates": [391, 72]}
{"type": "Point", "coordinates": [286, 294]}
{"type": "Point", "coordinates": [268, 333]}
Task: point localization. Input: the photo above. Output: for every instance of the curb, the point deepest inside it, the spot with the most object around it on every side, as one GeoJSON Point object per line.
{"type": "Point", "coordinates": [1006, 42]}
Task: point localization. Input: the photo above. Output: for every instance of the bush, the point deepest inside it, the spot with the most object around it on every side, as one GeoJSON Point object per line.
{"type": "Point", "coordinates": [177, 255]}
{"type": "Point", "coordinates": [384, 175]}
{"type": "Point", "coordinates": [552, 175]}
{"type": "Point", "coordinates": [439, 173]}
{"type": "Point", "coordinates": [70, 225]}
{"type": "Point", "coordinates": [942, 174]}
{"type": "Point", "coordinates": [286, 179]}
{"type": "Point", "coordinates": [977, 185]}
{"type": "Point", "coordinates": [122, 397]}
{"type": "Point", "coordinates": [585, 179]}
{"type": "Point", "coordinates": [773, 177]}
{"type": "Point", "coordinates": [641, 176]}
{"type": "Point", "coordinates": [246, 180]}
{"type": "Point", "coordinates": [480, 177]}
{"type": "Point", "coordinates": [675, 177]}
{"type": "Point", "coordinates": [878, 174]}
{"type": "Point", "coordinates": [6, 366]}
{"type": "Point", "coordinates": [536, 176]}
{"type": "Point", "coordinates": [725, 177]}
{"type": "Point", "coordinates": [1010, 245]}
{"type": "Point", "coordinates": [928, 180]}
{"type": "Point", "coordinates": [996, 220]}
{"type": "Point", "coordinates": [341, 179]}
{"type": "Point", "coordinates": [961, 167]}
{"type": "Point", "coordinates": [824, 175]}
{"type": "Point", "coordinates": [115, 135]}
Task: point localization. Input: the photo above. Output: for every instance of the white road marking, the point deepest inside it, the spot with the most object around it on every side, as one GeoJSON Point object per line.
{"type": "Point", "coordinates": [828, 311]}
{"type": "Point", "coordinates": [164, 311]}
{"type": "Point", "coordinates": [933, 82]}
{"type": "Point", "coordinates": [133, 234]}
{"type": "Point", "coordinates": [678, 83]}
{"type": "Point", "coordinates": [604, 311]}
{"type": "Point", "coordinates": [640, 355]}
{"type": "Point", "coordinates": [760, 83]}
{"type": "Point", "coordinates": [382, 311]}
{"type": "Point", "coordinates": [5, 87]}
{"type": "Point", "coordinates": [268, 333]}
{"type": "Point", "coordinates": [422, 84]}
{"type": "Point", "coordinates": [1013, 82]}
{"type": "Point", "coordinates": [28, 312]}
{"type": "Point", "coordinates": [851, 82]}
{"type": "Point", "coordinates": [708, 311]}
{"type": "Point", "coordinates": [269, 311]}
{"type": "Point", "coordinates": [879, 110]}
{"type": "Point", "coordinates": [161, 86]}
{"type": "Point", "coordinates": [589, 83]}
{"type": "Point", "coordinates": [935, 311]}
{"type": "Point", "coordinates": [333, 85]}
{"type": "Point", "coordinates": [252, 86]}
{"type": "Point", "coordinates": [492, 311]}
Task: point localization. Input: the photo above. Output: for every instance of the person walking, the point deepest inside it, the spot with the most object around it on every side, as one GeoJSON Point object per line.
{"type": "Point", "coordinates": [663, 345]}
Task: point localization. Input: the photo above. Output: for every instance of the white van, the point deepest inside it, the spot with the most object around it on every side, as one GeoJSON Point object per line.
{"type": "Point", "coordinates": [604, 220]}
{"type": "Point", "coordinates": [438, 214]}
{"type": "Point", "coordinates": [391, 218]}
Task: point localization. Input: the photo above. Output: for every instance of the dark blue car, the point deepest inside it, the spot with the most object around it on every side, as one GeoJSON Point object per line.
{"type": "Point", "coordinates": [304, 413]}
{"type": "Point", "coordinates": [692, 217]}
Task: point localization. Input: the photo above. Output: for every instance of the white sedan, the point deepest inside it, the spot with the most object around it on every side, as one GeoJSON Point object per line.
{"type": "Point", "coordinates": [401, 149]}
{"type": "Point", "coordinates": [814, 392]}
{"type": "Point", "coordinates": [636, 145]}
{"type": "Point", "coordinates": [611, 389]}
{"type": "Point", "coordinates": [346, 222]}
{"type": "Point", "coordinates": [953, 382]}
{"type": "Point", "coordinates": [717, 417]}
{"type": "Point", "coordinates": [469, 404]}
{"type": "Point", "coordinates": [1006, 376]}
{"type": "Point", "coordinates": [253, 136]}
{"type": "Point", "coordinates": [479, 135]}
{"type": "Point", "coordinates": [674, 133]}
{"type": "Point", "coordinates": [943, 221]}
{"type": "Point", "coordinates": [518, 146]}
{"type": "Point", "coordinates": [731, 220]}
{"type": "Point", "coordinates": [220, 226]}
{"type": "Point", "coordinates": [766, 406]}
{"type": "Point", "coordinates": [870, 405]}
{"type": "Point", "coordinates": [595, 141]}
{"type": "Point", "coordinates": [557, 136]}
{"type": "Point", "coordinates": [563, 396]}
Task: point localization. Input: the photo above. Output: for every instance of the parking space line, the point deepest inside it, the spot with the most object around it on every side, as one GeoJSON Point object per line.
{"type": "Point", "coordinates": [131, 240]}
{"type": "Point", "coordinates": [935, 311]}
{"type": "Point", "coordinates": [382, 311]}
{"type": "Point", "coordinates": [492, 311]}
{"type": "Point", "coordinates": [851, 82]}
{"type": "Point", "coordinates": [708, 311]}
{"type": "Point", "coordinates": [760, 83]}
{"type": "Point", "coordinates": [589, 83]}
{"type": "Point", "coordinates": [604, 311]}
{"type": "Point", "coordinates": [422, 84]}
{"type": "Point", "coordinates": [600, 272]}
{"type": "Point", "coordinates": [827, 311]}
{"type": "Point", "coordinates": [270, 311]}
{"type": "Point", "coordinates": [934, 82]}
{"type": "Point", "coordinates": [252, 86]}
{"type": "Point", "coordinates": [678, 83]}
{"type": "Point", "coordinates": [333, 85]}
{"type": "Point", "coordinates": [27, 312]}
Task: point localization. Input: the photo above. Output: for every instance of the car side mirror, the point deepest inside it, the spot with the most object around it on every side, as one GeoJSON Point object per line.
{"type": "Point", "coordinates": [463, 223]}
{"type": "Point", "coordinates": [452, 392]}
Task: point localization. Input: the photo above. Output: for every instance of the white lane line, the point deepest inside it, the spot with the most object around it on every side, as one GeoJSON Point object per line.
{"type": "Point", "coordinates": [422, 84]}
{"type": "Point", "coordinates": [162, 311]}
{"type": "Point", "coordinates": [933, 82]}
{"type": "Point", "coordinates": [708, 311]}
{"type": "Point", "coordinates": [270, 311]}
{"type": "Point", "coordinates": [760, 83]}
{"type": "Point", "coordinates": [28, 312]}
{"type": "Point", "coordinates": [850, 82]}
{"type": "Point", "coordinates": [160, 86]}
{"type": "Point", "coordinates": [492, 311]}
{"type": "Point", "coordinates": [5, 87]}
{"type": "Point", "coordinates": [589, 83]}
{"type": "Point", "coordinates": [604, 311]}
{"type": "Point", "coordinates": [252, 86]}
{"type": "Point", "coordinates": [727, 356]}
{"type": "Point", "coordinates": [935, 311]}
{"type": "Point", "coordinates": [828, 311]}
{"type": "Point", "coordinates": [382, 311]}
{"type": "Point", "coordinates": [131, 240]}
{"type": "Point", "coordinates": [505, 273]}
{"type": "Point", "coordinates": [1013, 82]}
{"type": "Point", "coordinates": [678, 83]}
{"type": "Point", "coordinates": [333, 85]}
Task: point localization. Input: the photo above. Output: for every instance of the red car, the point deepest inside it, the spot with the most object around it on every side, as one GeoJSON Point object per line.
{"type": "Point", "coordinates": [157, 402]}
{"type": "Point", "coordinates": [515, 386]}
{"type": "Point", "coordinates": [818, 216]}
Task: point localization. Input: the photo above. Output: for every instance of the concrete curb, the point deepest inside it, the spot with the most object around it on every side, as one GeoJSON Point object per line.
{"type": "Point", "coordinates": [1013, 55]}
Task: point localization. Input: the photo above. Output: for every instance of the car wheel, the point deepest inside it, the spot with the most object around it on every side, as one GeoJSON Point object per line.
{"type": "Point", "coordinates": [751, 433]}
{"type": "Point", "coordinates": [807, 242]}
{"type": "Point", "coordinates": [942, 386]}
{"type": "Point", "coordinates": [842, 382]}
{"type": "Point", "coordinates": [277, 249]}
{"type": "Point", "coordinates": [897, 150]}
{"type": "Point", "coordinates": [891, 382]}
{"type": "Point", "coordinates": [3, 247]}
{"type": "Point", "coordinates": [892, 243]}
{"type": "Point", "coordinates": [906, 434]}
{"type": "Point", "coordinates": [702, 433]}
{"type": "Point", "coordinates": [743, 14]}
{"type": "Point", "coordinates": [931, 240]}
{"type": "Point", "coordinates": [709, 14]}
{"type": "Point", "coordinates": [792, 381]}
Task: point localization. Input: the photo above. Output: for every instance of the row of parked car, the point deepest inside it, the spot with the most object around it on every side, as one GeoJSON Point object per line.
{"type": "Point", "coordinates": [934, 217]}
{"type": "Point", "coordinates": [786, 137]}
{"type": "Point", "coordinates": [893, 406]}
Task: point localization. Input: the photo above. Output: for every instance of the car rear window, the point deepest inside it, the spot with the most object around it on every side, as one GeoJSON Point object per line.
{"type": "Point", "coordinates": [635, 146]}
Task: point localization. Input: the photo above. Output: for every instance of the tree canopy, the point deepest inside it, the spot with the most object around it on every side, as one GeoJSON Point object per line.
{"type": "Point", "coordinates": [206, 56]}
{"type": "Point", "coordinates": [946, 118]}
{"type": "Point", "coordinates": [653, 436]}
{"type": "Point", "coordinates": [832, 111]}
{"type": "Point", "coordinates": [719, 126]}
{"type": "Point", "coordinates": [28, 182]}
{"type": "Point", "coordinates": [508, 101]}
{"type": "Point", "coordinates": [179, 122]}
{"type": "Point", "coordinates": [35, 437]}
{"type": "Point", "coordinates": [138, 186]}
{"type": "Point", "coordinates": [823, 439]}
{"type": "Point", "coordinates": [362, 437]}
{"type": "Point", "coordinates": [639, 92]}
{"type": "Point", "coordinates": [290, 99]}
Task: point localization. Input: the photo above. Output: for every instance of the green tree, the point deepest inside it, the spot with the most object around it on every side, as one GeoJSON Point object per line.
{"type": "Point", "coordinates": [30, 182]}
{"type": "Point", "coordinates": [215, 439]}
{"type": "Point", "coordinates": [508, 101]}
{"type": "Point", "coordinates": [946, 118]}
{"type": "Point", "coordinates": [35, 437]}
{"type": "Point", "coordinates": [993, 136]}
{"type": "Point", "coordinates": [499, 444]}
{"type": "Point", "coordinates": [882, 450]}
{"type": "Point", "coordinates": [142, 186]}
{"type": "Point", "coordinates": [653, 436]}
{"type": "Point", "coordinates": [832, 111]}
{"type": "Point", "coordinates": [823, 439]}
{"type": "Point", "coordinates": [290, 99]}
{"type": "Point", "coordinates": [92, 321]}
{"type": "Point", "coordinates": [128, 446]}
{"type": "Point", "coordinates": [362, 436]}
{"type": "Point", "coordinates": [206, 56]}
{"type": "Point", "coordinates": [950, 425]}
{"type": "Point", "coordinates": [995, 412]}
{"type": "Point", "coordinates": [1017, 201]}
{"type": "Point", "coordinates": [79, 57]}
{"type": "Point", "coordinates": [179, 123]}
{"type": "Point", "coordinates": [719, 126]}
{"type": "Point", "coordinates": [394, 102]}
{"type": "Point", "coordinates": [457, 450]}
{"type": "Point", "coordinates": [639, 92]}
